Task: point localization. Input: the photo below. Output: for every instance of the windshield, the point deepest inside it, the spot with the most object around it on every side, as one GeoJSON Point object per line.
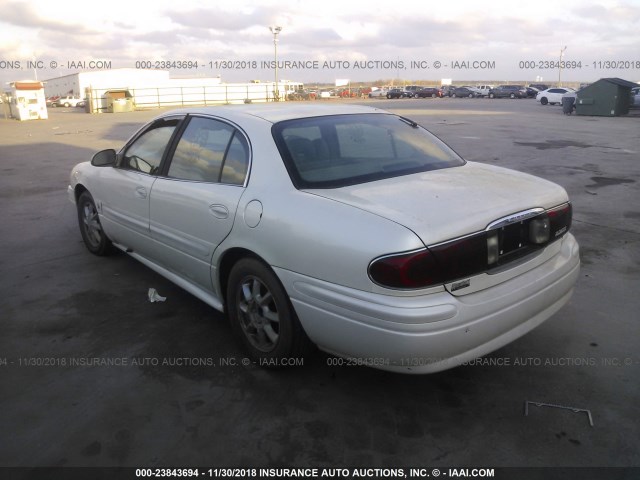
{"type": "Point", "coordinates": [340, 150]}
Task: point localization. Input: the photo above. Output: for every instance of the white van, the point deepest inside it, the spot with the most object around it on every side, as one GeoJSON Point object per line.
{"type": "Point", "coordinates": [483, 90]}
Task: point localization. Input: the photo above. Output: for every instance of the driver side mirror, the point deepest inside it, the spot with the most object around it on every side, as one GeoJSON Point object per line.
{"type": "Point", "coordinates": [104, 158]}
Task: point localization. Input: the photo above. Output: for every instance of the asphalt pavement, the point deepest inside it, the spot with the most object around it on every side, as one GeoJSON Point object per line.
{"type": "Point", "coordinates": [93, 374]}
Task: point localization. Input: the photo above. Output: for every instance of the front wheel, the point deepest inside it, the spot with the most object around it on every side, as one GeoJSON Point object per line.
{"type": "Point", "coordinates": [93, 235]}
{"type": "Point", "coordinates": [544, 100]}
{"type": "Point", "coordinates": [491, 95]}
{"type": "Point", "coordinates": [513, 95]}
{"type": "Point", "coordinates": [261, 314]}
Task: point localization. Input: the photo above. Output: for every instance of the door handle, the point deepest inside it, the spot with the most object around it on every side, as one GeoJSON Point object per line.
{"type": "Point", "coordinates": [219, 211]}
{"type": "Point", "coordinates": [141, 192]}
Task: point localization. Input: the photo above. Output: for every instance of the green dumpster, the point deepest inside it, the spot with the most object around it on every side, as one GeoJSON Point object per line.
{"type": "Point", "coordinates": [608, 97]}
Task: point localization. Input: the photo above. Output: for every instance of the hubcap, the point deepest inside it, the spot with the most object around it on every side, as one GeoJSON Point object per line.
{"type": "Point", "coordinates": [92, 225]}
{"type": "Point", "coordinates": [259, 316]}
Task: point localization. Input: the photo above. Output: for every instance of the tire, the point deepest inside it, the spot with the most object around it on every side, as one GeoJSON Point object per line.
{"type": "Point", "coordinates": [66, 105]}
{"type": "Point", "coordinates": [93, 235]}
{"type": "Point", "coordinates": [471, 95]}
{"type": "Point", "coordinates": [388, 96]}
{"type": "Point", "coordinates": [453, 95]}
{"type": "Point", "coordinates": [544, 100]}
{"type": "Point", "coordinates": [261, 314]}
{"type": "Point", "coordinates": [433, 95]}
{"type": "Point", "coordinates": [491, 95]}
{"type": "Point", "coordinates": [513, 95]}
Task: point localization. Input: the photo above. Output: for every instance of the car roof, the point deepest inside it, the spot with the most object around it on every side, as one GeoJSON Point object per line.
{"type": "Point", "coordinates": [274, 112]}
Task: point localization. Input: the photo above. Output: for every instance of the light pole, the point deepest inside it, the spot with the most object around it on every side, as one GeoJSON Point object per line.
{"type": "Point", "coordinates": [275, 30]}
{"type": "Point", "coordinates": [560, 65]}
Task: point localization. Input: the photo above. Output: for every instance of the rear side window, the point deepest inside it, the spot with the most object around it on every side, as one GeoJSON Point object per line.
{"type": "Point", "coordinates": [339, 150]}
{"type": "Point", "coordinates": [210, 151]}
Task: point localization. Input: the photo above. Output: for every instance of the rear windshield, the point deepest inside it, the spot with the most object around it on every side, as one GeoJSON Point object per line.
{"type": "Point", "coordinates": [340, 150]}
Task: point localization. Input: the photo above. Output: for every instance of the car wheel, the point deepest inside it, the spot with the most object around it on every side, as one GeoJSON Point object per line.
{"type": "Point", "coordinates": [433, 95]}
{"type": "Point", "coordinates": [388, 96]}
{"type": "Point", "coordinates": [66, 105]}
{"type": "Point", "coordinates": [491, 95]}
{"type": "Point", "coordinates": [544, 100]}
{"type": "Point", "coordinates": [513, 95]}
{"type": "Point", "coordinates": [261, 313]}
{"type": "Point", "coordinates": [453, 95]}
{"type": "Point", "coordinates": [471, 95]}
{"type": "Point", "coordinates": [93, 235]}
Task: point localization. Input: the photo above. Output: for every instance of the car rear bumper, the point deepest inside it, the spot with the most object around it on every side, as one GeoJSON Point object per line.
{"type": "Point", "coordinates": [433, 332]}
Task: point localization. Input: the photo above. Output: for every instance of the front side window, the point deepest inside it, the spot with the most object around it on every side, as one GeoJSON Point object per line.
{"type": "Point", "coordinates": [339, 150]}
{"type": "Point", "coordinates": [146, 152]}
{"type": "Point", "coordinates": [210, 151]}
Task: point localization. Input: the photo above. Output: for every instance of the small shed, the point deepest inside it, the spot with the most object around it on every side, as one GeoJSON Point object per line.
{"type": "Point", "coordinates": [608, 97]}
{"type": "Point", "coordinates": [27, 100]}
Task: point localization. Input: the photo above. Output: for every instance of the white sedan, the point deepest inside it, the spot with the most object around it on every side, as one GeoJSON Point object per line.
{"type": "Point", "coordinates": [378, 92]}
{"type": "Point", "coordinates": [553, 95]}
{"type": "Point", "coordinates": [346, 227]}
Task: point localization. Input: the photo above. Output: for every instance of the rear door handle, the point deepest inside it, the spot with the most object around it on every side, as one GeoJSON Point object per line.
{"type": "Point", "coordinates": [141, 192]}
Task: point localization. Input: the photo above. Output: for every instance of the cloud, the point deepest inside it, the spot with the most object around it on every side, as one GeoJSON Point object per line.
{"type": "Point", "coordinates": [24, 15]}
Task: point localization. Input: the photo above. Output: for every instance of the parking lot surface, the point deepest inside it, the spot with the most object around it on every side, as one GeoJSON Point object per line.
{"type": "Point", "coordinates": [93, 374]}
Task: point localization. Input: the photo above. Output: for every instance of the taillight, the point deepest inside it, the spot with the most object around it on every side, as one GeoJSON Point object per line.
{"type": "Point", "coordinates": [431, 266]}
{"type": "Point", "coordinates": [560, 220]}
{"type": "Point", "coordinates": [417, 269]}
{"type": "Point", "coordinates": [445, 262]}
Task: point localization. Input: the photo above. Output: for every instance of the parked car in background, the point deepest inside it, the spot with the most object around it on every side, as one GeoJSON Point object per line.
{"type": "Point", "coordinates": [532, 92]}
{"type": "Point", "coordinates": [302, 94]}
{"type": "Point", "coordinates": [347, 93]}
{"type": "Point", "coordinates": [635, 96]}
{"type": "Point", "coordinates": [447, 90]}
{"type": "Point", "coordinates": [539, 86]}
{"type": "Point", "coordinates": [307, 224]}
{"type": "Point", "coordinates": [433, 92]}
{"type": "Point", "coordinates": [51, 101]}
{"type": "Point", "coordinates": [412, 89]}
{"type": "Point", "coordinates": [464, 92]}
{"type": "Point", "coordinates": [399, 93]}
{"type": "Point", "coordinates": [68, 101]}
{"type": "Point", "coordinates": [552, 95]}
{"type": "Point", "coordinates": [482, 90]}
{"type": "Point", "coordinates": [511, 91]}
{"type": "Point", "coordinates": [378, 92]}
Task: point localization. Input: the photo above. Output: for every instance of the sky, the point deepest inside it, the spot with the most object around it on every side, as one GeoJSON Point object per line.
{"type": "Point", "coordinates": [360, 41]}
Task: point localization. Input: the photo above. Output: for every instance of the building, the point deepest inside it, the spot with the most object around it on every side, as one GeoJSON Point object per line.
{"type": "Point", "coordinates": [156, 88]}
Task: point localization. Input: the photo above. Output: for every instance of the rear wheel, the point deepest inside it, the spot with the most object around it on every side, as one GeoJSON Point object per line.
{"type": "Point", "coordinates": [513, 95]}
{"type": "Point", "coordinates": [93, 235]}
{"type": "Point", "coordinates": [261, 314]}
{"type": "Point", "coordinates": [544, 100]}
{"type": "Point", "coordinates": [491, 95]}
